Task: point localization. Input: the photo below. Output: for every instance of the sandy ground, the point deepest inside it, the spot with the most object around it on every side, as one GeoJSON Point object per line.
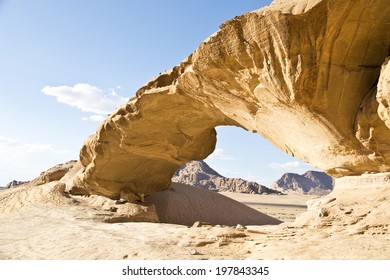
{"type": "Point", "coordinates": [281, 207]}
{"type": "Point", "coordinates": [42, 223]}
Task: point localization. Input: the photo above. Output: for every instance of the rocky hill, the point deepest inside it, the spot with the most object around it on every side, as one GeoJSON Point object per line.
{"type": "Point", "coordinates": [311, 182]}
{"type": "Point", "coordinates": [15, 183]}
{"type": "Point", "coordinates": [199, 174]}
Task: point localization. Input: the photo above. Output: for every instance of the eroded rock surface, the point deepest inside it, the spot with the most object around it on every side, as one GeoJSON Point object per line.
{"type": "Point", "coordinates": [304, 74]}
{"type": "Point", "coordinates": [340, 211]}
{"type": "Point", "coordinates": [55, 173]}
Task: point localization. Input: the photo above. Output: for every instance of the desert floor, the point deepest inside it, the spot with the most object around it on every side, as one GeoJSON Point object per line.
{"type": "Point", "coordinates": [42, 223]}
{"type": "Point", "coordinates": [281, 207]}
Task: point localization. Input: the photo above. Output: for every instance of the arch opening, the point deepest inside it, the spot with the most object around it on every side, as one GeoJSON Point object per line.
{"type": "Point", "coordinates": [300, 87]}
{"type": "Point", "coordinates": [247, 168]}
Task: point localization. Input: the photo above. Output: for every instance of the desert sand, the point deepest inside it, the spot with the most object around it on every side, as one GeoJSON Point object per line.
{"type": "Point", "coordinates": [311, 76]}
{"type": "Point", "coordinates": [43, 222]}
{"type": "Point", "coordinates": [281, 207]}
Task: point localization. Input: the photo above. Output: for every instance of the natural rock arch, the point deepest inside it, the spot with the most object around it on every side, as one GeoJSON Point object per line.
{"type": "Point", "coordinates": [304, 74]}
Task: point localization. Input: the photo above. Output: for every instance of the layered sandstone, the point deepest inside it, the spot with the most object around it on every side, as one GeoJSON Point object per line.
{"type": "Point", "coordinates": [311, 76]}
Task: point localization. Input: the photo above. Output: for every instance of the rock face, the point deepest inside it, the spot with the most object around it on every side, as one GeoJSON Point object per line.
{"type": "Point", "coordinates": [311, 76]}
{"type": "Point", "coordinates": [199, 174]}
{"type": "Point", "coordinates": [311, 182]}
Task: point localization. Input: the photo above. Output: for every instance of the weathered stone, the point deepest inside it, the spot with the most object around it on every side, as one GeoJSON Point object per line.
{"type": "Point", "coordinates": [241, 227]}
{"type": "Point", "coordinates": [110, 211]}
{"type": "Point", "coordinates": [303, 74]}
{"type": "Point", "coordinates": [364, 181]}
{"type": "Point", "coordinates": [55, 173]}
{"type": "Point", "coordinates": [362, 206]}
{"type": "Point", "coordinates": [201, 224]}
{"type": "Point", "coordinates": [130, 212]}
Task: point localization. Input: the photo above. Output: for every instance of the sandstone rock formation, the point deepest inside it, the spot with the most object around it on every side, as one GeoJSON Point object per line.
{"type": "Point", "coordinates": [340, 211]}
{"type": "Point", "coordinates": [311, 182]}
{"type": "Point", "coordinates": [199, 174]}
{"type": "Point", "coordinates": [55, 173]}
{"type": "Point", "coordinates": [311, 76]}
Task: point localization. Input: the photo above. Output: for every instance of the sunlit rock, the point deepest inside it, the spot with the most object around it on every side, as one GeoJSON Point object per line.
{"type": "Point", "coordinates": [303, 74]}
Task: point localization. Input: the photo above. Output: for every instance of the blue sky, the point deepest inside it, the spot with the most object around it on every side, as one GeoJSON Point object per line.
{"type": "Point", "coordinates": [64, 65]}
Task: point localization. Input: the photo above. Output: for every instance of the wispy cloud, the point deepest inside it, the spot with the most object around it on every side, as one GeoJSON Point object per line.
{"type": "Point", "coordinates": [94, 118]}
{"type": "Point", "coordinates": [24, 160]}
{"type": "Point", "coordinates": [220, 154]}
{"type": "Point", "coordinates": [256, 178]}
{"type": "Point", "coordinates": [292, 166]}
{"type": "Point", "coordinates": [87, 98]}
{"type": "Point", "coordinates": [15, 148]}
{"type": "Point", "coordinates": [285, 165]}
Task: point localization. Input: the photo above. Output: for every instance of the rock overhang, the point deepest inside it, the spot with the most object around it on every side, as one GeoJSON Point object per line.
{"type": "Point", "coordinates": [309, 76]}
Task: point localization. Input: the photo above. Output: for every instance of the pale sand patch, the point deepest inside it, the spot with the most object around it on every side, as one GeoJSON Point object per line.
{"type": "Point", "coordinates": [281, 207]}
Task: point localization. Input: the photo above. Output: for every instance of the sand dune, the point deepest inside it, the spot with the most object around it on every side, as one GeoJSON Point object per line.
{"type": "Point", "coordinates": [184, 205]}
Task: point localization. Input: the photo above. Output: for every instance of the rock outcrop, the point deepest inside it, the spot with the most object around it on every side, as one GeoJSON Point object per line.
{"type": "Point", "coordinates": [311, 76]}
{"type": "Point", "coordinates": [199, 174]}
{"type": "Point", "coordinates": [340, 211]}
{"type": "Point", "coordinates": [55, 173]}
{"type": "Point", "coordinates": [311, 182]}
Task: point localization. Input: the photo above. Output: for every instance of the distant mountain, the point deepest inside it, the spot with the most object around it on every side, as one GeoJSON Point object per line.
{"type": "Point", "coordinates": [15, 183]}
{"type": "Point", "coordinates": [199, 174]}
{"type": "Point", "coordinates": [311, 182]}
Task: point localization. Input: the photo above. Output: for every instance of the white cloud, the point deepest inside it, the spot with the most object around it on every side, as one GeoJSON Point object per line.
{"type": "Point", "coordinates": [255, 178]}
{"type": "Point", "coordinates": [285, 165]}
{"type": "Point", "coordinates": [87, 98]}
{"type": "Point", "coordinates": [23, 160]}
{"type": "Point", "coordinates": [14, 148]}
{"type": "Point", "coordinates": [298, 167]}
{"type": "Point", "coordinates": [94, 118]}
{"type": "Point", "coordinates": [220, 154]}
